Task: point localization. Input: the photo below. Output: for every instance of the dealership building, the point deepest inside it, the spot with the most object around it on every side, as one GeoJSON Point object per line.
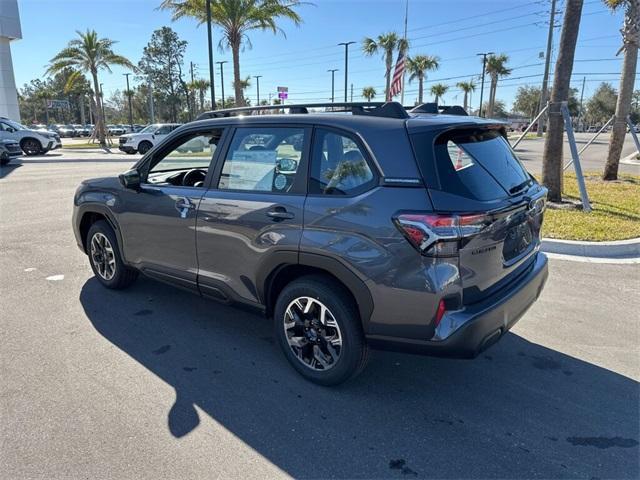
{"type": "Point", "coordinates": [9, 31]}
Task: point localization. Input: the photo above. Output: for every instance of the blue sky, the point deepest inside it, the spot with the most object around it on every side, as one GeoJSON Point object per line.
{"type": "Point", "coordinates": [454, 31]}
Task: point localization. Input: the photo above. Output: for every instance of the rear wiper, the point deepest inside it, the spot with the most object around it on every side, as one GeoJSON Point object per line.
{"type": "Point", "coordinates": [520, 186]}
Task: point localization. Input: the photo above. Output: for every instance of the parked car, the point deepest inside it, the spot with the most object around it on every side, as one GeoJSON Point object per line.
{"type": "Point", "coordinates": [145, 139]}
{"type": "Point", "coordinates": [115, 130]}
{"type": "Point", "coordinates": [64, 131]}
{"type": "Point", "coordinates": [81, 130]}
{"type": "Point", "coordinates": [400, 230]}
{"type": "Point", "coordinates": [9, 149]}
{"type": "Point", "coordinates": [32, 142]}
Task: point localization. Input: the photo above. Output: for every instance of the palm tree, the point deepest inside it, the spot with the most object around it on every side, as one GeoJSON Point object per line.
{"type": "Point", "coordinates": [496, 68]}
{"type": "Point", "coordinates": [552, 156]}
{"type": "Point", "coordinates": [90, 54]}
{"type": "Point", "coordinates": [630, 40]}
{"type": "Point", "coordinates": [388, 43]}
{"type": "Point", "coordinates": [438, 90]}
{"type": "Point", "coordinates": [369, 93]}
{"type": "Point", "coordinates": [201, 86]}
{"type": "Point", "coordinates": [467, 88]}
{"type": "Point", "coordinates": [418, 66]}
{"type": "Point", "coordinates": [236, 18]}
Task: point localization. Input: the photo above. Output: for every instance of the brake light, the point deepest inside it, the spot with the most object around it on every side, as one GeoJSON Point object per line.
{"type": "Point", "coordinates": [439, 235]}
{"type": "Point", "coordinates": [440, 312]}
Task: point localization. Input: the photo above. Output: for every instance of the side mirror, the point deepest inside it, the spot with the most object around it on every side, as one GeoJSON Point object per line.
{"type": "Point", "coordinates": [130, 179]}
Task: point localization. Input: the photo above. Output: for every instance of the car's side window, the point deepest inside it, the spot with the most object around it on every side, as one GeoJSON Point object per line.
{"type": "Point", "coordinates": [338, 165]}
{"type": "Point", "coordinates": [186, 162]}
{"type": "Point", "coordinates": [263, 159]}
{"type": "Point", "coordinates": [163, 130]}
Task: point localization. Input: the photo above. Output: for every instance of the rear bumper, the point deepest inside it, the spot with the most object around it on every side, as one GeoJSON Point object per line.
{"type": "Point", "coordinates": [482, 323]}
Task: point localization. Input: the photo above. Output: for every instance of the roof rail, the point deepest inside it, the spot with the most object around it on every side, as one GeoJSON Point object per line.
{"type": "Point", "coordinates": [374, 109]}
{"type": "Point", "coordinates": [435, 108]}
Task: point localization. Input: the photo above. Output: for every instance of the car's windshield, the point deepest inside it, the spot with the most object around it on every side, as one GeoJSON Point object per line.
{"type": "Point", "coordinates": [149, 129]}
{"type": "Point", "coordinates": [15, 125]}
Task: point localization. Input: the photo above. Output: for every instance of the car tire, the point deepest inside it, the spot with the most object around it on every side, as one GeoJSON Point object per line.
{"type": "Point", "coordinates": [4, 160]}
{"type": "Point", "coordinates": [31, 147]}
{"type": "Point", "coordinates": [144, 147]}
{"type": "Point", "coordinates": [105, 258]}
{"type": "Point", "coordinates": [341, 324]}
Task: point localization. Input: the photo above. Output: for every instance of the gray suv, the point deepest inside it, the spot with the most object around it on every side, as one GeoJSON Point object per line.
{"type": "Point", "coordinates": [413, 230]}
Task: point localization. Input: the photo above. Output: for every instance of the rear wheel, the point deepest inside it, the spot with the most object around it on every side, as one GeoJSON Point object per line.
{"type": "Point", "coordinates": [105, 259]}
{"type": "Point", "coordinates": [318, 328]}
{"type": "Point", "coordinates": [4, 159]}
{"type": "Point", "coordinates": [144, 147]}
{"type": "Point", "coordinates": [30, 146]}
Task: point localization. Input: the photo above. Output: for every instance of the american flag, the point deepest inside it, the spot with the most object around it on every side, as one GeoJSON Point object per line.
{"type": "Point", "coordinates": [398, 75]}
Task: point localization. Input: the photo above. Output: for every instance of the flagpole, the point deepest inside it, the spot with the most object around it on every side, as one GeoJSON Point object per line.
{"type": "Point", "coordinates": [406, 16]}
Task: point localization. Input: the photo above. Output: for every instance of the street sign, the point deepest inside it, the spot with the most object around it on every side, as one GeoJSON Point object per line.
{"type": "Point", "coordinates": [283, 95]}
{"type": "Point", "coordinates": [57, 104]}
{"type": "Point", "coordinates": [283, 89]}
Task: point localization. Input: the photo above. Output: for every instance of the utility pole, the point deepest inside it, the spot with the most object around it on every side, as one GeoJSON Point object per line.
{"type": "Point", "coordinates": [192, 112]}
{"type": "Point", "coordinates": [211, 75]}
{"type": "Point", "coordinates": [152, 112]}
{"type": "Point", "coordinates": [129, 97]}
{"type": "Point", "coordinates": [346, 66]}
{"type": "Point", "coordinates": [222, 78]}
{"type": "Point", "coordinates": [547, 62]}
{"type": "Point", "coordinates": [584, 79]}
{"type": "Point", "coordinates": [351, 93]}
{"type": "Point", "coordinates": [484, 69]}
{"type": "Point", "coordinates": [333, 83]}
{"type": "Point", "coordinates": [257, 77]}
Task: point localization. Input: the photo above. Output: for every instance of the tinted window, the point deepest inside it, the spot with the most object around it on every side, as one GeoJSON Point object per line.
{"type": "Point", "coordinates": [476, 164]}
{"type": "Point", "coordinates": [262, 159]}
{"type": "Point", "coordinates": [338, 166]}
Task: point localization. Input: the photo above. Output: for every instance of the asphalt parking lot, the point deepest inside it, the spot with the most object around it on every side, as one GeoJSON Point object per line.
{"type": "Point", "coordinates": [153, 382]}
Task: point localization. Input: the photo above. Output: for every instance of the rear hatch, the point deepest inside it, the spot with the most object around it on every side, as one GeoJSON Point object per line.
{"type": "Point", "coordinates": [474, 176]}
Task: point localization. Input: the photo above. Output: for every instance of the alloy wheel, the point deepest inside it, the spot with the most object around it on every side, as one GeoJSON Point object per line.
{"type": "Point", "coordinates": [102, 256]}
{"type": "Point", "coordinates": [313, 333]}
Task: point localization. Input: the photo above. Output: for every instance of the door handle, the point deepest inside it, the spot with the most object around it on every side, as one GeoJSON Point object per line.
{"type": "Point", "coordinates": [280, 213]}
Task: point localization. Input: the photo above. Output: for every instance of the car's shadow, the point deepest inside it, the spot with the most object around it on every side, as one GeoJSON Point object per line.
{"type": "Point", "coordinates": [519, 410]}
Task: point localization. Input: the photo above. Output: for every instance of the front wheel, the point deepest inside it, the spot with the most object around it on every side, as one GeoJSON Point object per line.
{"type": "Point", "coordinates": [105, 259]}
{"type": "Point", "coordinates": [144, 147]}
{"type": "Point", "coordinates": [318, 328]}
{"type": "Point", "coordinates": [31, 147]}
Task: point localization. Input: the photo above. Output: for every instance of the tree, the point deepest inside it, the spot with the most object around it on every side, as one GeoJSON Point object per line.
{"type": "Point", "coordinates": [630, 44]}
{"type": "Point", "coordinates": [388, 43]}
{"type": "Point", "coordinates": [527, 101]}
{"type": "Point", "coordinates": [438, 90]}
{"type": "Point", "coordinates": [162, 62]}
{"type": "Point", "coordinates": [552, 156]}
{"type": "Point", "coordinates": [496, 69]}
{"type": "Point", "coordinates": [236, 18]}
{"type": "Point", "coordinates": [369, 93]}
{"type": "Point", "coordinates": [90, 54]}
{"type": "Point", "coordinates": [499, 109]}
{"type": "Point", "coordinates": [201, 87]}
{"type": "Point", "coordinates": [418, 67]}
{"type": "Point", "coordinates": [602, 104]}
{"type": "Point", "coordinates": [467, 88]}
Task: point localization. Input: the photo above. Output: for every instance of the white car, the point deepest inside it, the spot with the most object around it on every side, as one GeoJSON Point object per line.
{"type": "Point", "coordinates": [145, 139]}
{"type": "Point", "coordinates": [32, 142]}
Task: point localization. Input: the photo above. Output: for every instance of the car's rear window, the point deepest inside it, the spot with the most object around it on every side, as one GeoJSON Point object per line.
{"type": "Point", "coordinates": [474, 163]}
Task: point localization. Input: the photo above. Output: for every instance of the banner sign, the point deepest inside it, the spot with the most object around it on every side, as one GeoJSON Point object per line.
{"type": "Point", "coordinates": [58, 104]}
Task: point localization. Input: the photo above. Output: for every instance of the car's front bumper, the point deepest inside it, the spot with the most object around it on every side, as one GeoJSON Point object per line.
{"type": "Point", "coordinates": [483, 323]}
{"type": "Point", "coordinates": [127, 149]}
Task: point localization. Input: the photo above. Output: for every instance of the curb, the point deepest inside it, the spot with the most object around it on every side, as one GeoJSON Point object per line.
{"type": "Point", "coordinates": [618, 249]}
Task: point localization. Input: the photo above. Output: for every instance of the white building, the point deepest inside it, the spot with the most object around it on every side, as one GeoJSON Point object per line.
{"type": "Point", "coordinates": [9, 30]}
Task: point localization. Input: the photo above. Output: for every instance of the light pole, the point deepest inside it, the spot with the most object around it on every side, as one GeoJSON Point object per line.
{"type": "Point", "coordinates": [222, 78]}
{"type": "Point", "coordinates": [484, 68]}
{"type": "Point", "coordinates": [547, 62]}
{"type": "Point", "coordinates": [129, 97]}
{"type": "Point", "coordinates": [333, 83]}
{"type": "Point", "coordinates": [257, 77]}
{"type": "Point", "coordinates": [346, 67]}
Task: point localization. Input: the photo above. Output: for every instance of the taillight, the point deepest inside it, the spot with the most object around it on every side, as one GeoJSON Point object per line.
{"type": "Point", "coordinates": [442, 308]}
{"type": "Point", "coordinates": [439, 235]}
